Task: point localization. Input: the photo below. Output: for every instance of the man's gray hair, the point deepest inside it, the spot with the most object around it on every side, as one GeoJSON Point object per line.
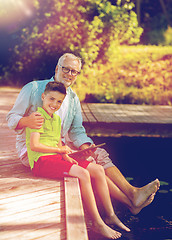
{"type": "Point", "coordinates": [71, 56]}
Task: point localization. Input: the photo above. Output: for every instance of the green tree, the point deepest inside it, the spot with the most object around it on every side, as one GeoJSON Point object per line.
{"type": "Point", "coordinates": [155, 17]}
{"type": "Point", "coordinates": [88, 28]}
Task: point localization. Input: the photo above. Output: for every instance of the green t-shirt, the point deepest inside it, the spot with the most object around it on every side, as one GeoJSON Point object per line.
{"type": "Point", "coordinates": [49, 135]}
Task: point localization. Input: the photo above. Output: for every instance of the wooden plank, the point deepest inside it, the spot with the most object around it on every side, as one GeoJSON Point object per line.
{"type": "Point", "coordinates": [11, 187]}
{"type": "Point", "coordinates": [83, 110]}
{"type": "Point", "coordinates": [129, 113]}
{"type": "Point", "coordinates": [88, 114]}
{"type": "Point", "coordinates": [75, 221]}
{"type": "Point", "coordinates": [33, 217]}
{"type": "Point", "coordinates": [128, 120]}
{"type": "Point", "coordinates": [33, 231]}
{"type": "Point", "coordinates": [29, 212]}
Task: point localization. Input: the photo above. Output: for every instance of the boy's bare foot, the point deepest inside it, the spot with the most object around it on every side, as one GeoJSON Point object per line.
{"type": "Point", "coordinates": [111, 220]}
{"type": "Point", "coordinates": [136, 210]}
{"type": "Point", "coordinates": [142, 194]}
{"type": "Point", "coordinates": [106, 231]}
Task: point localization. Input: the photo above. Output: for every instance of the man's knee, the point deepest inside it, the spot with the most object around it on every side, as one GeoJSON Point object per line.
{"type": "Point", "coordinates": [102, 158]}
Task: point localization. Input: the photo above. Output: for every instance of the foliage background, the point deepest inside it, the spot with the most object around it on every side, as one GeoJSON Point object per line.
{"type": "Point", "coordinates": [105, 34]}
{"type": "Point", "coordinates": [135, 75]}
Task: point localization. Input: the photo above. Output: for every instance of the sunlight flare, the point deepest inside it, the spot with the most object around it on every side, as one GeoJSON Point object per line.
{"type": "Point", "coordinates": [14, 11]}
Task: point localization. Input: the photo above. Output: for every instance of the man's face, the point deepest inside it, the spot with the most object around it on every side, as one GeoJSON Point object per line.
{"type": "Point", "coordinates": [61, 74]}
{"type": "Point", "coordinates": [52, 101]}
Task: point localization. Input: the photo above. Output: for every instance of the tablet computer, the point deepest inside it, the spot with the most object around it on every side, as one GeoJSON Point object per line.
{"type": "Point", "coordinates": [80, 152]}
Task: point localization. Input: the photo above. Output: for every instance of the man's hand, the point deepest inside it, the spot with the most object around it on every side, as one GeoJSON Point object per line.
{"type": "Point", "coordinates": [89, 152]}
{"type": "Point", "coordinates": [34, 121]}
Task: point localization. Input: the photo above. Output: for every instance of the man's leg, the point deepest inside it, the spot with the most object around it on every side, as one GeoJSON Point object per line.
{"type": "Point", "coordinates": [117, 194]}
{"type": "Point", "coordinates": [24, 160]}
{"type": "Point", "coordinates": [137, 196]}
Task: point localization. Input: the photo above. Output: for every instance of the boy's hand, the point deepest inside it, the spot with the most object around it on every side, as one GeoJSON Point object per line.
{"type": "Point", "coordinates": [65, 149]}
{"type": "Point", "coordinates": [69, 159]}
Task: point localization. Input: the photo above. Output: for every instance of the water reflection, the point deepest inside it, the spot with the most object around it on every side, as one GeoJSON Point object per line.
{"type": "Point", "coordinates": [141, 160]}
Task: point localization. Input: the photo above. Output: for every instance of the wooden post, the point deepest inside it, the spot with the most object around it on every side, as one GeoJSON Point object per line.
{"type": "Point", "coordinates": [75, 221]}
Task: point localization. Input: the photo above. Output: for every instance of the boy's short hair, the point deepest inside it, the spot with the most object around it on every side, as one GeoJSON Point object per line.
{"type": "Point", "coordinates": [55, 86]}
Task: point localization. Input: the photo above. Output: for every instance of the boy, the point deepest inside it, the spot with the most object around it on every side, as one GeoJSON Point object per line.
{"type": "Point", "coordinates": [48, 158]}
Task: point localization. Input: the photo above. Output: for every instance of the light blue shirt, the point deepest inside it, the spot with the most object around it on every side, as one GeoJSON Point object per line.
{"type": "Point", "coordinates": [29, 99]}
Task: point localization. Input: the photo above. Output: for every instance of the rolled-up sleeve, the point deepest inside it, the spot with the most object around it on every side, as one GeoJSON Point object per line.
{"type": "Point", "coordinates": [20, 107]}
{"type": "Point", "coordinates": [77, 132]}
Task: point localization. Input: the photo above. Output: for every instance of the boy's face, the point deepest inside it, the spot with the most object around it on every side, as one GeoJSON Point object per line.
{"type": "Point", "coordinates": [52, 101]}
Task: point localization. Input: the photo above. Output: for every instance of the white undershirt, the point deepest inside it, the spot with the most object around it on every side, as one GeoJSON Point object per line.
{"type": "Point", "coordinates": [63, 109]}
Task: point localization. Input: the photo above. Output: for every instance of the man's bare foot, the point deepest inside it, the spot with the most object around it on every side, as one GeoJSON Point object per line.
{"type": "Point", "coordinates": [106, 231]}
{"type": "Point", "coordinates": [136, 210]}
{"type": "Point", "coordinates": [142, 194]}
{"type": "Point", "coordinates": [111, 220]}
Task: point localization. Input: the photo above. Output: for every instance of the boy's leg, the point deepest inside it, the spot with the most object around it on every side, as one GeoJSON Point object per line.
{"type": "Point", "coordinates": [88, 197]}
{"type": "Point", "coordinates": [98, 174]}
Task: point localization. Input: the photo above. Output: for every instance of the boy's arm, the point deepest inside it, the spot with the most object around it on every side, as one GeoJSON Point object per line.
{"type": "Point", "coordinates": [60, 142]}
{"type": "Point", "coordinates": [65, 156]}
{"type": "Point", "coordinates": [36, 146]}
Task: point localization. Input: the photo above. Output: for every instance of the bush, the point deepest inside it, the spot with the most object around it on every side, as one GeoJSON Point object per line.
{"type": "Point", "coordinates": [168, 36]}
{"type": "Point", "coordinates": [133, 75]}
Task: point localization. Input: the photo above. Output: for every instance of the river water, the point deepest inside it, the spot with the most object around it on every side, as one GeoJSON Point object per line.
{"type": "Point", "coordinates": [141, 160]}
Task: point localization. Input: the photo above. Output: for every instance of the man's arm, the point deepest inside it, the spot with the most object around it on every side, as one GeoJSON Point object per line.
{"type": "Point", "coordinates": [17, 117]}
{"type": "Point", "coordinates": [77, 132]}
{"type": "Point", "coordinates": [20, 107]}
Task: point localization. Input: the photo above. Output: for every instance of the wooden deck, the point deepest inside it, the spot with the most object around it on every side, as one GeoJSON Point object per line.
{"type": "Point", "coordinates": [112, 120]}
{"type": "Point", "coordinates": [30, 207]}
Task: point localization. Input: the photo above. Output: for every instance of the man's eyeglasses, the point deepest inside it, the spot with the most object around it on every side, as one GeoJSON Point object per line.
{"type": "Point", "coordinates": [67, 70]}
